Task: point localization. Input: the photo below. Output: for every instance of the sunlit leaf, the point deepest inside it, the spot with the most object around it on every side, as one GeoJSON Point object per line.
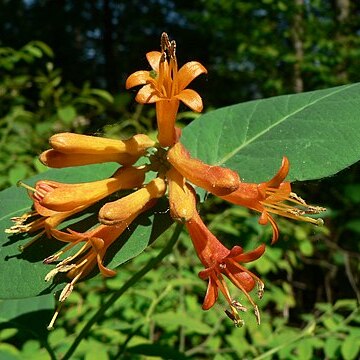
{"type": "Point", "coordinates": [318, 131]}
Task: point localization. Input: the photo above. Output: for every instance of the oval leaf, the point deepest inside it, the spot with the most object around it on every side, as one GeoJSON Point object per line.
{"type": "Point", "coordinates": [22, 274]}
{"type": "Point", "coordinates": [318, 131]}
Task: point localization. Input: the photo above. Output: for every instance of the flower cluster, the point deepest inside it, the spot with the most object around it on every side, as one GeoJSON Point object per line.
{"type": "Point", "coordinates": [177, 175]}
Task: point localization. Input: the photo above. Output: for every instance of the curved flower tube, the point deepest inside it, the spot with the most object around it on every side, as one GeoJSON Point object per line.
{"type": "Point", "coordinates": [215, 179]}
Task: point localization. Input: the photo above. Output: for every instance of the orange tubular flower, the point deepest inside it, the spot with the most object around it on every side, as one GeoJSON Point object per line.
{"type": "Point", "coordinates": [274, 196]}
{"type": "Point", "coordinates": [220, 261]}
{"type": "Point", "coordinates": [215, 179]}
{"type": "Point", "coordinates": [54, 202]}
{"type": "Point", "coordinates": [74, 150]}
{"type": "Point", "coordinates": [79, 265]}
{"type": "Point", "coordinates": [166, 86]}
{"type": "Point", "coordinates": [118, 211]}
{"type": "Point", "coordinates": [64, 197]}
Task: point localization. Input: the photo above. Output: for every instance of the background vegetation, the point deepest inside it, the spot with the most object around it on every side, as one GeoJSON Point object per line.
{"type": "Point", "coordinates": [63, 65]}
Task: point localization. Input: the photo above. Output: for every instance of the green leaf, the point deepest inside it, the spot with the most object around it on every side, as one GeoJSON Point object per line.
{"type": "Point", "coordinates": [172, 319]}
{"type": "Point", "coordinates": [102, 94]}
{"type": "Point", "coordinates": [305, 349]}
{"type": "Point", "coordinates": [331, 347]}
{"type": "Point", "coordinates": [67, 114]}
{"type": "Point", "coordinates": [350, 347]}
{"type": "Point", "coordinates": [318, 131]}
{"type": "Point", "coordinates": [9, 352]}
{"type": "Point", "coordinates": [22, 274]}
{"type": "Point", "coordinates": [20, 313]}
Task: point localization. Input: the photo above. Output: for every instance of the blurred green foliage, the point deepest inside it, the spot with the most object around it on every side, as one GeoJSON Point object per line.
{"type": "Point", "coordinates": [251, 49]}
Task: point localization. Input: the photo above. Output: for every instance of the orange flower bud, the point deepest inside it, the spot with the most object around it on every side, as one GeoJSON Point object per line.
{"type": "Point", "coordinates": [118, 211]}
{"type": "Point", "coordinates": [181, 196]}
{"type": "Point", "coordinates": [70, 143]}
{"type": "Point", "coordinates": [65, 197]}
{"type": "Point", "coordinates": [57, 159]}
{"type": "Point", "coordinates": [215, 179]}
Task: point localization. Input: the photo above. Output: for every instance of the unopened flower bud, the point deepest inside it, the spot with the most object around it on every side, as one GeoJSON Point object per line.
{"type": "Point", "coordinates": [70, 143]}
{"type": "Point", "coordinates": [118, 211]}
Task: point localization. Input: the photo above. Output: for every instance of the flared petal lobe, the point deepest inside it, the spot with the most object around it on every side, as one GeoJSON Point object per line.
{"type": "Point", "coordinates": [274, 196]}
{"type": "Point", "coordinates": [191, 99]}
{"type": "Point", "coordinates": [141, 77]}
{"type": "Point", "coordinates": [188, 73]}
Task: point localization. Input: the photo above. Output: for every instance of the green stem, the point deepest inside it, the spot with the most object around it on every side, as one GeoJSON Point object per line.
{"type": "Point", "coordinates": [117, 294]}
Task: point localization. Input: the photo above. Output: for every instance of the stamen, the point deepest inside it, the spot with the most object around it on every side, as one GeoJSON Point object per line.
{"type": "Point", "coordinates": [53, 319]}
{"type": "Point", "coordinates": [238, 285]}
{"type": "Point", "coordinates": [238, 306]}
{"type": "Point", "coordinates": [65, 268]}
{"type": "Point", "coordinates": [260, 289]}
{"type": "Point", "coordinates": [234, 316]}
{"type": "Point", "coordinates": [35, 238]}
{"type": "Point", "coordinates": [65, 293]}
{"type": "Point", "coordinates": [27, 187]}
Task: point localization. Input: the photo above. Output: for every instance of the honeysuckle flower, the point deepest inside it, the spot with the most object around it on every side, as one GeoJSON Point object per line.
{"type": "Point", "coordinates": [166, 86]}
{"type": "Point", "coordinates": [215, 179]}
{"type": "Point", "coordinates": [118, 211]}
{"type": "Point", "coordinates": [96, 243]}
{"type": "Point", "coordinates": [54, 202]}
{"type": "Point", "coordinates": [274, 196]}
{"type": "Point", "coordinates": [220, 261]}
{"type": "Point", "coordinates": [70, 149]}
{"type": "Point", "coordinates": [64, 197]}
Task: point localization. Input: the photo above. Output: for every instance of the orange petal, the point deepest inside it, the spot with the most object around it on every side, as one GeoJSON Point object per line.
{"type": "Point", "coordinates": [211, 295]}
{"type": "Point", "coordinates": [141, 77]}
{"type": "Point", "coordinates": [188, 73]}
{"type": "Point", "coordinates": [153, 57]}
{"type": "Point", "coordinates": [191, 99]}
{"type": "Point", "coordinates": [281, 174]}
{"type": "Point", "coordinates": [250, 255]}
{"type": "Point", "coordinates": [103, 269]}
{"type": "Point", "coordinates": [147, 95]}
{"type": "Point", "coordinates": [242, 279]}
{"type": "Point", "coordinates": [215, 179]}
